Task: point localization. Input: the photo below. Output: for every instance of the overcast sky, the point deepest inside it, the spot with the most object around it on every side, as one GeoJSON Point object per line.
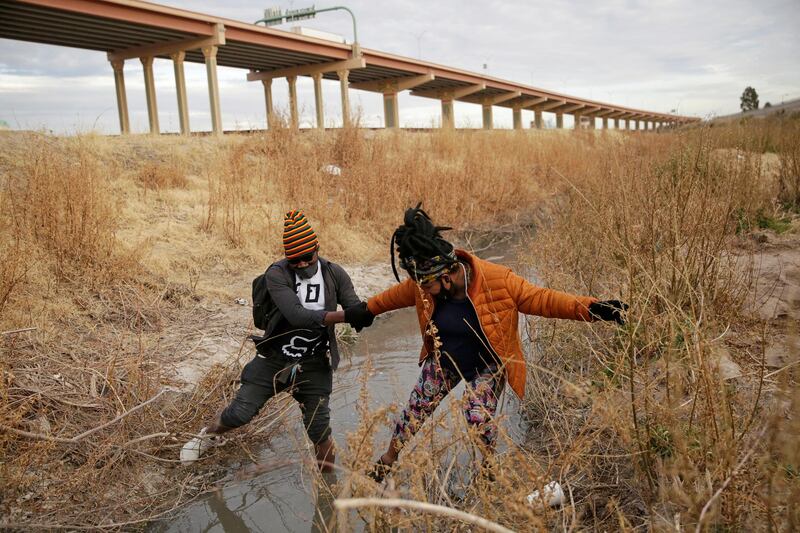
{"type": "Point", "coordinates": [695, 56]}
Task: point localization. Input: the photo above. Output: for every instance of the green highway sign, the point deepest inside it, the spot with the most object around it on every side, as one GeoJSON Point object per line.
{"type": "Point", "coordinates": [300, 14]}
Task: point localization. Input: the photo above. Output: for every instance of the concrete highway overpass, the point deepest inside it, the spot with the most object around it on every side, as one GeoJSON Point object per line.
{"type": "Point", "coordinates": [130, 30]}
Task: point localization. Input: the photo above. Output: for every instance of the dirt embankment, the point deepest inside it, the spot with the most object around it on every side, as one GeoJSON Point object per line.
{"type": "Point", "coordinates": [776, 291]}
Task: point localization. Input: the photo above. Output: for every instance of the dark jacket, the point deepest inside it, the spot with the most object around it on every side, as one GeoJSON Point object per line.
{"type": "Point", "coordinates": [280, 283]}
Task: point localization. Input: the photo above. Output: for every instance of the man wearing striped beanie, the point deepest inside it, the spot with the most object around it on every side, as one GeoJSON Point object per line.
{"type": "Point", "coordinates": [298, 351]}
{"type": "Point", "coordinates": [299, 239]}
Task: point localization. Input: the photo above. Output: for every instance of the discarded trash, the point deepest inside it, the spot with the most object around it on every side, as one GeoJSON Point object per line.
{"type": "Point", "coordinates": [333, 170]}
{"type": "Point", "coordinates": [241, 301]}
{"type": "Point", "coordinates": [551, 493]}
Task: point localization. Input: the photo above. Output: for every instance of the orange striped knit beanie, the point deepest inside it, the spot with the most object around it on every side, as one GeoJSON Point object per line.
{"type": "Point", "coordinates": [298, 236]}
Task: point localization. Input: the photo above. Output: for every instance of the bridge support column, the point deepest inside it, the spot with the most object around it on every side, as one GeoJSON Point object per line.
{"type": "Point", "coordinates": [210, 55]}
{"type": "Point", "coordinates": [150, 93]}
{"type": "Point", "coordinates": [344, 86]}
{"type": "Point", "coordinates": [294, 116]}
{"type": "Point", "coordinates": [517, 114]}
{"type": "Point", "coordinates": [180, 90]}
{"type": "Point", "coordinates": [577, 118]}
{"type": "Point", "coordinates": [559, 120]}
{"type": "Point", "coordinates": [636, 125]}
{"type": "Point", "coordinates": [122, 98]}
{"type": "Point", "coordinates": [487, 117]}
{"type": "Point", "coordinates": [391, 115]}
{"type": "Point", "coordinates": [537, 119]}
{"type": "Point", "coordinates": [269, 103]}
{"type": "Point", "coordinates": [318, 100]}
{"type": "Point", "coordinates": [448, 118]}
{"type": "Point", "coordinates": [616, 123]}
{"type": "Point", "coordinates": [605, 123]}
{"type": "Point", "coordinates": [592, 123]}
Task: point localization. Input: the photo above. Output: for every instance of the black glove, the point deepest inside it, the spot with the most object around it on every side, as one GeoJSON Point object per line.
{"type": "Point", "coordinates": [609, 310]}
{"type": "Point", "coordinates": [359, 316]}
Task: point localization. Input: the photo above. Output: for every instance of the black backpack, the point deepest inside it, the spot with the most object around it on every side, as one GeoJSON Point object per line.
{"type": "Point", "coordinates": [262, 302]}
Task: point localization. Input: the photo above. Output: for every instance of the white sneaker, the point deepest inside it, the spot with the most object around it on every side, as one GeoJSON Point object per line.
{"type": "Point", "coordinates": [198, 445]}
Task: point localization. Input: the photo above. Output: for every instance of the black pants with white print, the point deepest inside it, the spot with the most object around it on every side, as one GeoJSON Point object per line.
{"type": "Point", "coordinates": [265, 376]}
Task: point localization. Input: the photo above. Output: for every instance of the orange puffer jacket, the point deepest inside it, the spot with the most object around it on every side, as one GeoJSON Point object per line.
{"type": "Point", "coordinates": [499, 295]}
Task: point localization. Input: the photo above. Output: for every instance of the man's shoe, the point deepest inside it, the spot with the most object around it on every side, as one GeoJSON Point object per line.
{"type": "Point", "coordinates": [378, 471]}
{"type": "Point", "coordinates": [197, 446]}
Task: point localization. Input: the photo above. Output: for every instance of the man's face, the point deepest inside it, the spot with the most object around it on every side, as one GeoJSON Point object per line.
{"type": "Point", "coordinates": [305, 266]}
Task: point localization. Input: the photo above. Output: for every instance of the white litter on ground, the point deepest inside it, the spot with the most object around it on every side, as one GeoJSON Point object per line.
{"type": "Point", "coordinates": [551, 494]}
{"type": "Point", "coordinates": [333, 170]}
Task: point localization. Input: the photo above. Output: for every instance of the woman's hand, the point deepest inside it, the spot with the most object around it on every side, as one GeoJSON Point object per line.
{"type": "Point", "coordinates": [609, 310]}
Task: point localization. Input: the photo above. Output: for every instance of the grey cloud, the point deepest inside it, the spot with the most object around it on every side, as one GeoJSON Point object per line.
{"type": "Point", "coordinates": [655, 54]}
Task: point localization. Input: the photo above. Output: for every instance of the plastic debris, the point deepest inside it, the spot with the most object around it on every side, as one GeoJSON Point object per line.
{"type": "Point", "coordinates": [333, 170]}
{"type": "Point", "coordinates": [551, 494]}
{"type": "Point", "coordinates": [241, 301]}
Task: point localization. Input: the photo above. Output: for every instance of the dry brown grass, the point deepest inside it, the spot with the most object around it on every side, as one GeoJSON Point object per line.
{"type": "Point", "coordinates": [658, 437]}
{"type": "Point", "coordinates": [111, 245]}
{"type": "Point", "coordinates": [158, 175]}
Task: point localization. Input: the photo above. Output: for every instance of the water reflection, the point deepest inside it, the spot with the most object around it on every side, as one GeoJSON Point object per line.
{"type": "Point", "coordinates": [323, 507]}
{"type": "Point", "coordinates": [228, 519]}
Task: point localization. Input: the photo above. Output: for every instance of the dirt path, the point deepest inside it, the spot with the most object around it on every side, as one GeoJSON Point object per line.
{"type": "Point", "coordinates": [776, 291]}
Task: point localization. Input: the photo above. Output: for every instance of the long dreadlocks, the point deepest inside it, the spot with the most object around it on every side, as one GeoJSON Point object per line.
{"type": "Point", "coordinates": [422, 250]}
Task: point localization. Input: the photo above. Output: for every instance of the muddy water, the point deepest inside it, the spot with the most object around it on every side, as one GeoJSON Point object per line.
{"type": "Point", "coordinates": [283, 498]}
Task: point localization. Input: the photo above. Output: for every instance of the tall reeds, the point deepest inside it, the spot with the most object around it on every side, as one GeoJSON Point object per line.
{"type": "Point", "coordinates": [57, 204]}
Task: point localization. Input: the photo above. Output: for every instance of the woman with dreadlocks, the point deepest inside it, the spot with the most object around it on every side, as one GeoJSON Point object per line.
{"type": "Point", "coordinates": [468, 314]}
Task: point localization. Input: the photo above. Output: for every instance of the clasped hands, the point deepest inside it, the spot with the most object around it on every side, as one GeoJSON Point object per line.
{"type": "Point", "coordinates": [359, 316]}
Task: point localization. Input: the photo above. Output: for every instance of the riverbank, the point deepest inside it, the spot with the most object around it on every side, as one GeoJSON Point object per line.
{"type": "Point", "coordinates": [127, 256]}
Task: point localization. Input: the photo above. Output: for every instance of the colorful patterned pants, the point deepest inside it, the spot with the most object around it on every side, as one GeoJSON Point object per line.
{"type": "Point", "coordinates": [434, 383]}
